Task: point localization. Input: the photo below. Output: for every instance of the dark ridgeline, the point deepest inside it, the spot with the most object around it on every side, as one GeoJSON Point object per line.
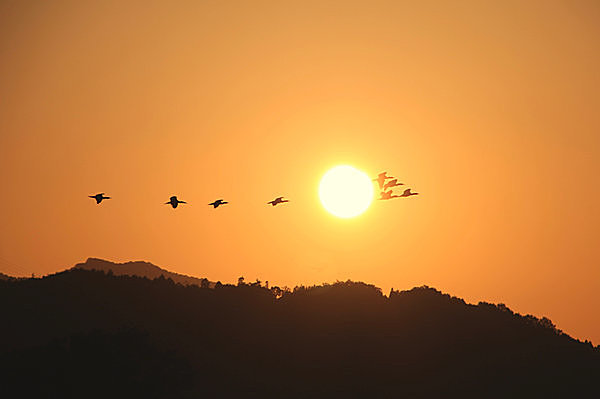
{"type": "Point", "coordinates": [84, 333]}
{"type": "Point", "coordinates": [140, 269]}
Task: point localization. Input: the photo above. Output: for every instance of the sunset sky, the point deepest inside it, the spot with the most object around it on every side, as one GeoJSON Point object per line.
{"type": "Point", "coordinates": [489, 109]}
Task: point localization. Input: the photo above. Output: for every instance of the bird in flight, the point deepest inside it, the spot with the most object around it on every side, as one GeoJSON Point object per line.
{"type": "Point", "coordinates": [381, 178]}
{"type": "Point", "coordinates": [386, 195]}
{"type": "Point", "coordinates": [98, 197]}
{"type": "Point", "coordinates": [173, 201]}
{"type": "Point", "coordinates": [407, 193]}
{"type": "Point", "coordinates": [392, 183]}
{"type": "Point", "coordinates": [218, 202]}
{"type": "Point", "coordinates": [278, 200]}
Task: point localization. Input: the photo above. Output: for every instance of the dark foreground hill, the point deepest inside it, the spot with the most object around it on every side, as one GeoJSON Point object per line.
{"type": "Point", "coordinates": [87, 334]}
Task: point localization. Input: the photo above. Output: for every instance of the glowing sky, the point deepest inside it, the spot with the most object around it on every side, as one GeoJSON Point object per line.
{"type": "Point", "coordinates": [488, 109]}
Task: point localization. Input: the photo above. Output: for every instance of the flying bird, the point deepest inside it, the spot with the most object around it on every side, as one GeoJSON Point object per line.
{"type": "Point", "coordinates": [386, 195]}
{"type": "Point", "coordinates": [407, 193]}
{"type": "Point", "coordinates": [278, 200]}
{"type": "Point", "coordinates": [98, 197]}
{"type": "Point", "coordinates": [381, 178]}
{"type": "Point", "coordinates": [173, 201]}
{"type": "Point", "coordinates": [218, 202]}
{"type": "Point", "coordinates": [392, 183]}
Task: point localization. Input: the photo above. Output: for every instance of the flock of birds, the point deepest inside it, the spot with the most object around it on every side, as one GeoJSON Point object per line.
{"type": "Point", "coordinates": [381, 180]}
{"type": "Point", "coordinates": [386, 194]}
{"type": "Point", "coordinates": [174, 201]}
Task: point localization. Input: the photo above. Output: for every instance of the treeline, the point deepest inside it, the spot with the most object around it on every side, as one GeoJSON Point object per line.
{"type": "Point", "coordinates": [88, 334]}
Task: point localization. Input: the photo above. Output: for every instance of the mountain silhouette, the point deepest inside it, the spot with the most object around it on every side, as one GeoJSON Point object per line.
{"type": "Point", "coordinates": [87, 333]}
{"type": "Point", "coordinates": [140, 269]}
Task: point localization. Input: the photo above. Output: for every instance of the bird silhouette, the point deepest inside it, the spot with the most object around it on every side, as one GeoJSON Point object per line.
{"type": "Point", "coordinates": [381, 178]}
{"type": "Point", "coordinates": [174, 202]}
{"type": "Point", "coordinates": [98, 197]}
{"type": "Point", "coordinates": [218, 202]}
{"type": "Point", "coordinates": [392, 183]}
{"type": "Point", "coordinates": [386, 195]}
{"type": "Point", "coordinates": [278, 200]}
{"type": "Point", "coordinates": [407, 193]}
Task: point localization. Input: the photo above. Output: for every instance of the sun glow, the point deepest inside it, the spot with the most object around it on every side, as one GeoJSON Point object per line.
{"type": "Point", "coordinates": [345, 191]}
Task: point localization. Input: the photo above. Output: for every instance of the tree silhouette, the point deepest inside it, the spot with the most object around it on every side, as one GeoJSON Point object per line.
{"type": "Point", "coordinates": [132, 337]}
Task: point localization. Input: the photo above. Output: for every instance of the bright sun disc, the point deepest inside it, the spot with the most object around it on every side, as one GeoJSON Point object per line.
{"type": "Point", "coordinates": [346, 191]}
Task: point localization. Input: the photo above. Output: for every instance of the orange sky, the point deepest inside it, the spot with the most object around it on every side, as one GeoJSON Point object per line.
{"type": "Point", "coordinates": [488, 109]}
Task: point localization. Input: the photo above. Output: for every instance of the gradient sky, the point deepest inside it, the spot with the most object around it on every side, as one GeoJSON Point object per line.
{"type": "Point", "coordinates": [489, 109]}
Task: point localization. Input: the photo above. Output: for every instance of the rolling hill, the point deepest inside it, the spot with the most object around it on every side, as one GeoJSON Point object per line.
{"type": "Point", "coordinates": [87, 333]}
{"type": "Point", "coordinates": [139, 269]}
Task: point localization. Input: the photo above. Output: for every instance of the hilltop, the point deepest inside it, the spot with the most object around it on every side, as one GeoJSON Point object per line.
{"type": "Point", "coordinates": [136, 337]}
{"type": "Point", "coordinates": [140, 269]}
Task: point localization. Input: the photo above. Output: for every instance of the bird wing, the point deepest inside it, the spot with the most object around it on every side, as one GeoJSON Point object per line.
{"type": "Point", "coordinates": [406, 192]}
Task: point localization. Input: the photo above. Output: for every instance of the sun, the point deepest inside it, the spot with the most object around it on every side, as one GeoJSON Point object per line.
{"type": "Point", "coordinates": [345, 191]}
